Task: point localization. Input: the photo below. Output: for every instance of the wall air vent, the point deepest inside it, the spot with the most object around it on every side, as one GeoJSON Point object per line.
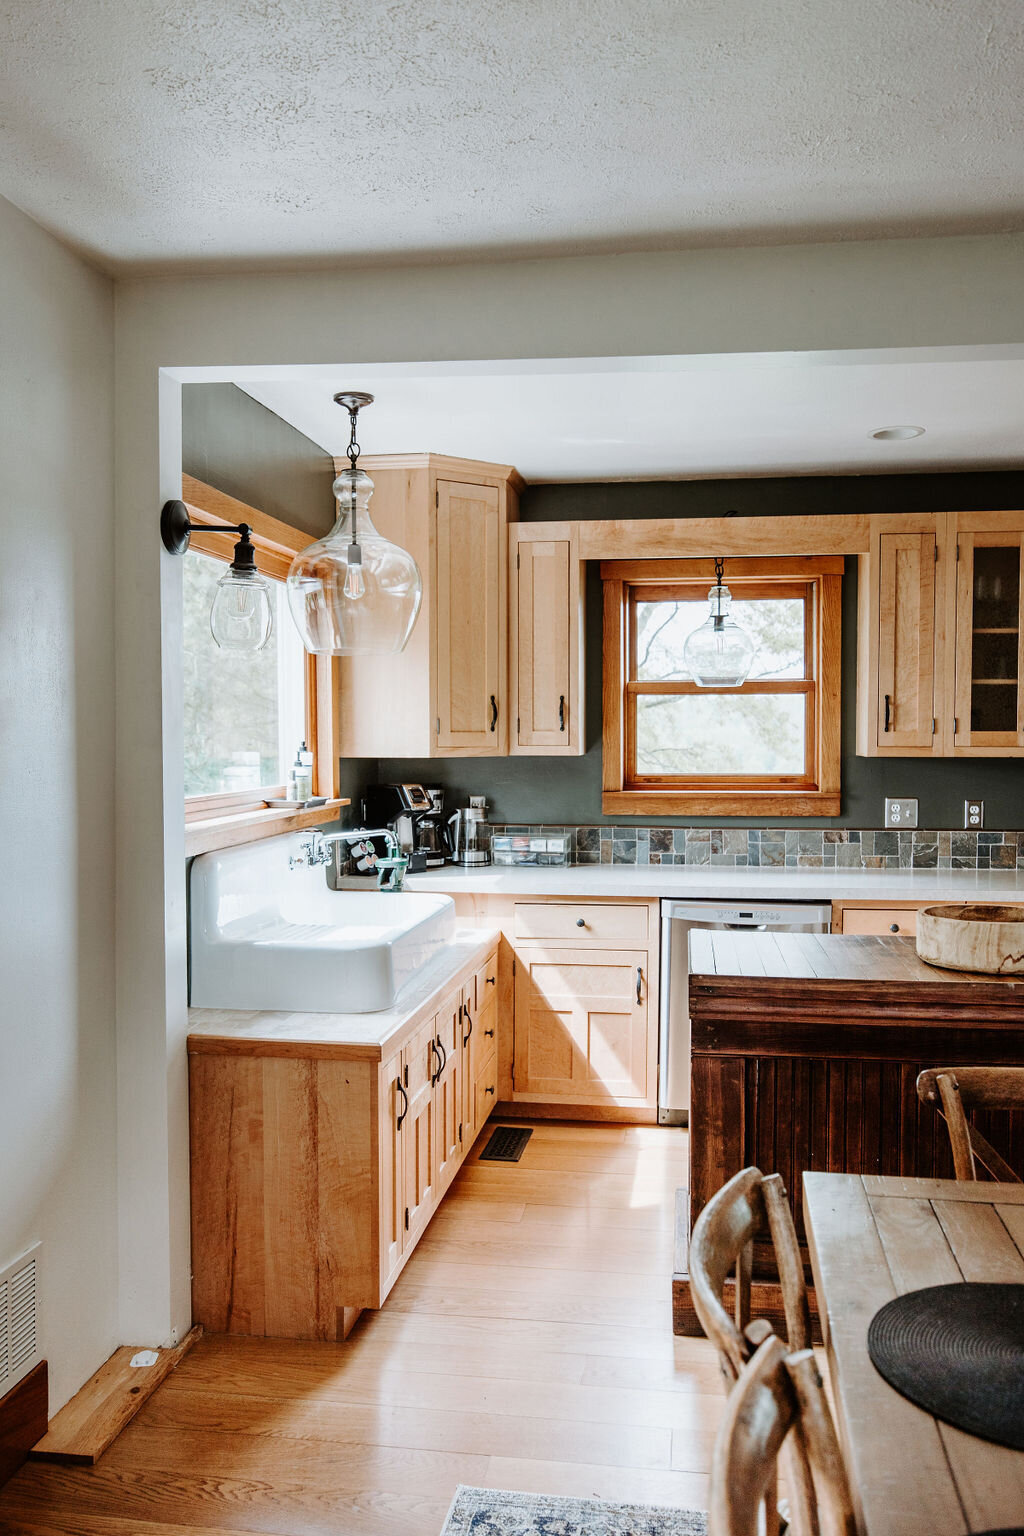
{"type": "Point", "coordinates": [20, 1347]}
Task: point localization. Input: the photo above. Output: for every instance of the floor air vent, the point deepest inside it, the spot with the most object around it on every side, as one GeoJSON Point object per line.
{"type": "Point", "coordinates": [507, 1145]}
{"type": "Point", "coordinates": [20, 1349]}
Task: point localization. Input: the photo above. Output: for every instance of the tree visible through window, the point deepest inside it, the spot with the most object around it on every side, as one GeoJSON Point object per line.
{"type": "Point", "coordinates": [723, 747]}
{"type": "Point", "coordinates": [244, 714]}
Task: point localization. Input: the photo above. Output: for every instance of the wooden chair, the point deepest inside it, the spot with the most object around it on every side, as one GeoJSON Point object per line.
{"type": "Point", "coordinates": [778, 1396]}
{"type": "Point", "coordinates": [953, 1091]}
{"type": "Point", "coordinates": [722, 1241]}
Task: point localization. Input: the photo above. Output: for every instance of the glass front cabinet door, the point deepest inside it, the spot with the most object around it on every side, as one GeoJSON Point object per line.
{"type": "Point", "coordinates": [989, 710]}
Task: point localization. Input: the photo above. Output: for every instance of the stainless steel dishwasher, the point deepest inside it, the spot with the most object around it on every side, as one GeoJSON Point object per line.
{"type": "Point", "coordinates": [677, 919]}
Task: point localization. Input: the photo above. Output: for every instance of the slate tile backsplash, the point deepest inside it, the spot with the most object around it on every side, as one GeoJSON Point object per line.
{"type": "Point", "coordinates": [783, 848]}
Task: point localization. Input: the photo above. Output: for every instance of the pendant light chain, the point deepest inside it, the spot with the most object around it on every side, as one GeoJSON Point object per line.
{"type": "Point", "coordinates": [353, 451]}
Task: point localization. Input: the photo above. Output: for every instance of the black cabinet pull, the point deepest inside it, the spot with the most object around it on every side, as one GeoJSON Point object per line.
{"type": "Point", "coordinates": [639, 983]}
{"type": "Point", "coordinates": [405, 1103]}
{"type": "Point", "coordinates": [491, 981]}
{"type": "Point", "coordinates": [494, 713]}
{"type": "Point", "coordinates": [444, 1056]}
{"type": "Point", "coordinates": [435, 1072]}
{"type": "Point", "coordinates": [888, 713]}
{"type": "Point", "coordinates": [489, 1034]}
{"type": "Point", "coordinates": [561, 711]}
{"type": "Point", "coordinates": [469, 1016]}
{"type": "Point", "coordinates": [488, 1090]}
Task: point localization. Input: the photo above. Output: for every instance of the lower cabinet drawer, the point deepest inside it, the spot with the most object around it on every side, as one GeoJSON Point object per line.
{"type": "Point", "coordinates": [621, 926]}
{"type": "Point", "coordinates": [879, 920]}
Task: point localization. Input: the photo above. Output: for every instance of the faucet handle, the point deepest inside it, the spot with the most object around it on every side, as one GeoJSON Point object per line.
{"type": "Point", "coordinates": [312, 851]}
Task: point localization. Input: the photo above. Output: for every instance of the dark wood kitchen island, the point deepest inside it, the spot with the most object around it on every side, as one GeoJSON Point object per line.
{"type": "Point", "coordinates": [805, 1050]}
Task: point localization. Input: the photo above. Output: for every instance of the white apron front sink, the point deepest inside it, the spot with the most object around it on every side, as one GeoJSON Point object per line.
{"type": "Point", "coordinates": [264, 936]}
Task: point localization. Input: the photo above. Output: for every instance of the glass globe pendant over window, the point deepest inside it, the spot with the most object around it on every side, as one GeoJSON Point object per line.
{"type": "Point", "coordinates": [241, 616]}
{"type": "Point", "coordinates": [719, 654]}
{"type": "Point", "coordinates": [354, 593]}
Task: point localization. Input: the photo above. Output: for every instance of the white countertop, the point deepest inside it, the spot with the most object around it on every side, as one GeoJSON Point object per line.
{"type": "Point", "coordinates": [725, 882]}
{"type": "Point", "coordinates": [346, 1034]}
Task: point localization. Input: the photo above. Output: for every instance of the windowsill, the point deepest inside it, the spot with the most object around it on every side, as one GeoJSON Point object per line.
{"type": "Point", "coordinates": [754, 802]}
{"type": "Point", "coordinates": [250, 826]}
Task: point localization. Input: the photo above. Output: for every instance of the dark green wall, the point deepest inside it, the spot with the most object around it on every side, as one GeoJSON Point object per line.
{"type": "Point", "coordinates": [559, 790]}
{"type": "Point", "coordinates": [234, 443]}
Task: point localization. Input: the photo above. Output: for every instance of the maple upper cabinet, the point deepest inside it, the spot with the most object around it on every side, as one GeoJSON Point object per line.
{"type": "Point", "coordinates": [446, 694]}
{"type": "Point", "coordinates": [901, 710]}
{"type": "Point", "coordinates": [989, 667]}
{"type": "Point", "coordinates": [940, 654]}
{"type": "Point", "coordinates": [546, 641]}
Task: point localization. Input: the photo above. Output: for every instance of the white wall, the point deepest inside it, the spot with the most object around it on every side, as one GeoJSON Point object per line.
{"type": "Point", "coordinates": [802, 298]}
{"type": "Point", "coordinates": [57, 1040]}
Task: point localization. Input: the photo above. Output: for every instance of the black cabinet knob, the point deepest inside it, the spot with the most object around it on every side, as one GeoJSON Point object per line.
{"type": "Point", "coordinates": [894, 927]}
{"type": "Point", "coordinates": [581, 922]}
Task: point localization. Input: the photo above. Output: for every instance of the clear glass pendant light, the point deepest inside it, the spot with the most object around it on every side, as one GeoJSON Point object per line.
{"type": "Point", "coordinates": [241, 617]}
{"type": "Point", "coordinates": [719, 654]}
{"type": "Point", "coordinates": [354, 593]}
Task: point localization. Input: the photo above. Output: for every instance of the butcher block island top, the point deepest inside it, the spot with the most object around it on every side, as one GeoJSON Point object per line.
{"type": "Point", "coordinates": [855, 961]}
{"type": "Point", "coordinates": [805, 1052]}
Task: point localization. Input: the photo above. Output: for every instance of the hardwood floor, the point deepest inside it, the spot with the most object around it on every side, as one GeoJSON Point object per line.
{"type": "Point", "coordinates": [527, 1345]}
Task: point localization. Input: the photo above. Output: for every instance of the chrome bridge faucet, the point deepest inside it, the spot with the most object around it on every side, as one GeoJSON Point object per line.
{"type": "Point", "coordinates": [318, 847]}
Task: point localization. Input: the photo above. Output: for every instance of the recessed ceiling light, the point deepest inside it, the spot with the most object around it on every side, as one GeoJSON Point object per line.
{"type": "Point", "coordinates": [897, 434]}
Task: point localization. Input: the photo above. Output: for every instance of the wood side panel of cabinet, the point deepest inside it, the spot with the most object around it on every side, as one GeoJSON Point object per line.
{"type": "Point", "coordinates": [470, 617]}
{"type": "Point", "coordinates": [581, 1026]}
{"type": "Point", "coordinates": [546, 644]}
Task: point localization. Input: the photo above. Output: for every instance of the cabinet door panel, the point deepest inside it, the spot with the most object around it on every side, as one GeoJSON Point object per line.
{"type": "Point", "coordinates": [906, 640]}
{"type": "Point", "coordinates": [479, 1036]}
{"type": "Point", "coordinates": [392, 1174]}
{"type": "Point", "coordinates": [485, 1091]}
{"type": "Point", "coordinates": [581, 1025]}
{"type": "Point", "coordinates": [448, 1103]}
{"type": "Point", "coordinates": [990, 643]}
{"type": "Point", "coordinates": [546, 637]}
{"type": "Point", "coordinates": [470, 618]}
{"type": "Point", "coordinates": [418, 1134]}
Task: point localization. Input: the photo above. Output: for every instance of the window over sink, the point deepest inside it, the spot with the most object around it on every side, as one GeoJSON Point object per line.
{"type": "Point", "coordinates": [767, 747]}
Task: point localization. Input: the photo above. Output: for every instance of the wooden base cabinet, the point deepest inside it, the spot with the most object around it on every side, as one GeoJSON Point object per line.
{"type": "Point", "coordinates": [313, 1178]}
{"type": "Point", "coordinates": [582, 989]}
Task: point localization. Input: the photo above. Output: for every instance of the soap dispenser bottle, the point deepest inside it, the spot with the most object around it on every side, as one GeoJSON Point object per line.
{"type": "Point", "coordinates": [301, 787]}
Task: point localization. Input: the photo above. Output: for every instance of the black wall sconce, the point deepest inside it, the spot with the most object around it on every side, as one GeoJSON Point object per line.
{"type": "Point", "coordinates": [242, 616]}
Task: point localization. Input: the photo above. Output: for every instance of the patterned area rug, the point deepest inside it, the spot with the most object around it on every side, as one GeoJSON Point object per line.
{"type": "Point", "coordinates": [494, 1512]}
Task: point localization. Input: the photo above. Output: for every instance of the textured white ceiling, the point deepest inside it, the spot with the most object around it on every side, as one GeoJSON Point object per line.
{"type": "Point", "coordinates": [163, 132]}
{"type": "Point", "coordinates": [653, 418]}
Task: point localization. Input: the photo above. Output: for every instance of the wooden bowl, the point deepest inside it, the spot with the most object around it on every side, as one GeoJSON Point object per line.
{"type": "Point", "coordinates": [978, 937]}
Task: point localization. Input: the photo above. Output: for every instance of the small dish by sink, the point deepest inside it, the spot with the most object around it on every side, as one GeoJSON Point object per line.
{"type": "Point", "coordinates": [268, 937]}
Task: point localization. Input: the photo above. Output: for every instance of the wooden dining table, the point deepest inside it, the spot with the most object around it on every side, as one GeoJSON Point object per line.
{"type": "Point", "coordinates": [872, 1239]}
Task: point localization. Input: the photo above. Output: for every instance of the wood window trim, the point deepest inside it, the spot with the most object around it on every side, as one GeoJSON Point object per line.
{"type": "Point", "coordinates": [277, 544]}
{"type": "Point", "coordinates": [816, 795]}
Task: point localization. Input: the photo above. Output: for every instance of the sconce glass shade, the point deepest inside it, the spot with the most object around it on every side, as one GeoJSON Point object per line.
{"type": "Point", "coordinates": [354, 593]}
{"type": "Point", "coordinates": [719, 654]}
{"type": "Point", "coordinates": [241, 617]}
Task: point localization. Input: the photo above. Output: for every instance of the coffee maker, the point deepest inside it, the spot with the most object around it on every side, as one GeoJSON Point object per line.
{"type": "Point", "coordinates": [432, 843]}
{"type": "Point", "coordinates": [415, 815]}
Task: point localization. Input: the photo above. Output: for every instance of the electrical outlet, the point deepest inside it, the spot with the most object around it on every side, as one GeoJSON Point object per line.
{"type": "Point", "coordinates": [974, 814]}
{"type": "Point", "coordinates": [900, 813]}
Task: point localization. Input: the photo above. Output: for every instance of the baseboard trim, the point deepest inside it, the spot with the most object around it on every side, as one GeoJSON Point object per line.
{"type": "Point", "coordinates": [23, 1412]}
{"type": "Point", "coordinates": [607, 1114]}
{"type": "Point", "coordinates": [84, 1428]}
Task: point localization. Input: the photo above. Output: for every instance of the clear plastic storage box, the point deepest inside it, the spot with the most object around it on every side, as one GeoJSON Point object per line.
{"type": "Point", "coordinates": [530, 848]}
